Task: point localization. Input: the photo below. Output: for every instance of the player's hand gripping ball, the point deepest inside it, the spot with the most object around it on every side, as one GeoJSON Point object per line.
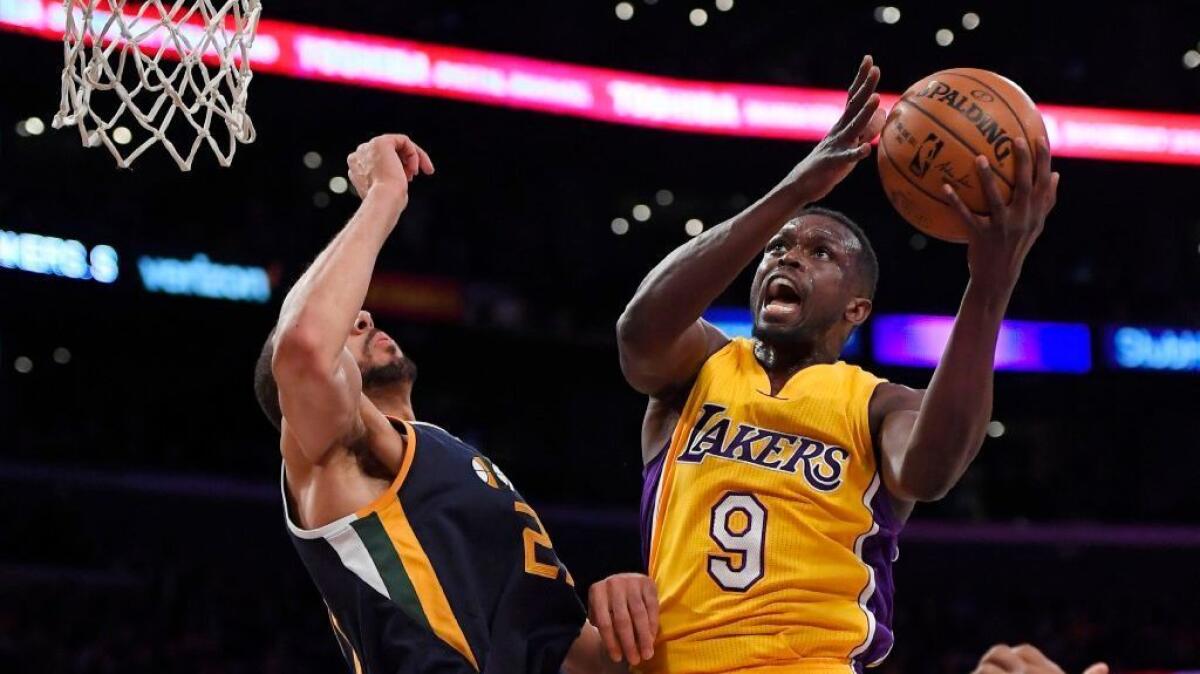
{"type": "Point", "coordinates": [933, 136]}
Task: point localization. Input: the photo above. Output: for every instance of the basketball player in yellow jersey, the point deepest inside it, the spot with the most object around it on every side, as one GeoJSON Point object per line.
{"type": "Point", "coordinates": [777, 476]}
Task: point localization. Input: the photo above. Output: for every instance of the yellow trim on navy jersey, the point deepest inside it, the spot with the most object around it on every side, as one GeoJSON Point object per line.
{"type": "Point", "coordinates": [424, 580]}
{"type": "Point", "coordinates": [410, 449]}
{"type": "Point", "coordinates": [417, 567]}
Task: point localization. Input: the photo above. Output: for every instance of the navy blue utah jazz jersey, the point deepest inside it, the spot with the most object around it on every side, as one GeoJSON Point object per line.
{"type": "Point", "coordinates": [448, 570]}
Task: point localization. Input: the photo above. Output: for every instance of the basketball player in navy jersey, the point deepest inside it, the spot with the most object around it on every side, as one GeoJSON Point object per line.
{"type": "Point", "coordinates": [426, 556]}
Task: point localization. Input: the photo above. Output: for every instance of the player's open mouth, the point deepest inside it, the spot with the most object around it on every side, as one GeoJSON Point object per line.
{"type": "Point", "coordinates": [781, 300]}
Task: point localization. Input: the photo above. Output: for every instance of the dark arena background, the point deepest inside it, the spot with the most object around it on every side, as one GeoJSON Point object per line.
{"type": "Point", "coordinates": [142, 528]}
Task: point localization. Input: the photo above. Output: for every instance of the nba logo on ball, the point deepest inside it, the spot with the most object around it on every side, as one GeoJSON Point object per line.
{"type": "Point", "coordinates": [959, 114]}
{"type": "Point", "coordinates": [925, 154]}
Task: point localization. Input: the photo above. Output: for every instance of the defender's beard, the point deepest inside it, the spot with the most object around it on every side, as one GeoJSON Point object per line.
{"type": "Point", "coordinates": [401, 370]}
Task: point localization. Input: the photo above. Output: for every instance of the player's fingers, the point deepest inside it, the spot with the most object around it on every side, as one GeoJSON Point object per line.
{"type": "Point", "coordinates": [1030, 654]}
{"type": "Point", "coordinates": [602, 618]}
{"type": "Point", "coordinates": [1041, 177]}
{"type": "Point", "coordinates": [650, 598]}
{"type": "Point", "coordinates": [874, 126]}
{"type": "Point", "coordinates": [991, 188]}
{"type": "Point", "coordinates": [410, 156]}
{"type": "Point", "coordinates": [989, 668]}
{"type": "Point", "coordinates": [858, 99]}
{"type": "Point", "coordinates": [423, 163]}
{"type": "Point", "coordinates": [1098, 668]}
{"type": "Point", "coordinates": [857, 126]}
{"type": "Point", "coordinates": [872, 81]}
{"type": "Point", "coordinates": [970, 219]}
{"type": "Point", "coordinates": [354, 159]}
{"type": "Point", "coordinates": [862, 152]}
{"type": "Point", "coordinates": [404, 148]}
{"type": "Point", "coordinates": [864, 68]}
{"type": "Point", "coordinates": [623, 624]}
{"type": "Point", "coordinates": [1023, 186]}
{"type": "Point", "coordinates": [1053, 189]}
{"type": "Point", "coordinates": [1003, 657]}
{"type": "Point", "coordinates": [426, 162]}
{"type": "Point", "coordinates": [864, 93]}
{"type": "Point", "coordinates": [641, 624]}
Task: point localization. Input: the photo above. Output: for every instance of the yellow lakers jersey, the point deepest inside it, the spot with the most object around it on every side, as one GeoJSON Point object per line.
{"type": "Point", "coordinates": [770, 538]}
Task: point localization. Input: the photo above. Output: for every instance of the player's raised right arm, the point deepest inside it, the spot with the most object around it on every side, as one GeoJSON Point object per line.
{"type": "Point", "coordinates": [661, 337]}
{"type": "Point", "coordinates": [319, 382]}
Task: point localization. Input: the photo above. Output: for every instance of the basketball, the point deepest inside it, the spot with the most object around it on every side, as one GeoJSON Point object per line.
{"type": "Point", "coordinates": [933, 135]}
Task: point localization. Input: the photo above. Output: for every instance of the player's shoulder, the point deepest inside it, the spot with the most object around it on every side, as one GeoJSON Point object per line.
{"type": "Point", "coordinates": [854, 382]}
{"type": "Point", "coordinates": [425, 429]}
{"type": "Point", "coordinates": [736, 349]}
{"type": "Point", "coordinates": [888, 397]}
{"type": "Point", "coordinates": [732, 359]}
{"type": "Point", "coordinates": [430, 433]}
{"type": "Point", "coordinates": [856, 371]}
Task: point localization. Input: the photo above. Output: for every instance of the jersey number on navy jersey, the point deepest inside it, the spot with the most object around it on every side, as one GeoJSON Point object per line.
{"type": "Point", "coordinates": [535, 538]}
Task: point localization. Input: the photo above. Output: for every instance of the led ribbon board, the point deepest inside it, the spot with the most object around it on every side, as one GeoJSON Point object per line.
{"type": "Point", "coordinates": [1026, 346]}
{"type": "Point", "coordinates": [794, 113]}
{"type": "Point", "coordinates": [200, 277]}
{"type": "Point", "coordinates": [1129, 347]}
{"type": "Point", "coordinates": [52, 256]}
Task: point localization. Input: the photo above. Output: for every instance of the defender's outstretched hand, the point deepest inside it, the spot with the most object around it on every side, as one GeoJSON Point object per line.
{"type": "Point", "coordinates": [998, 242]}
{"type": "Point", "coordinates": [390, 160]}
{"type": "Point", "coordinates": [624, 608]}
{"type": "Point", "coordinates": [1024, 659]}
{"type": "Point", "coordinates": [848, 142]}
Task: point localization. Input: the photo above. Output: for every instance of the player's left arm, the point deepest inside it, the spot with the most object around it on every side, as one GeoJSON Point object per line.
{"type": "Point", "coordinates": [928, 438]}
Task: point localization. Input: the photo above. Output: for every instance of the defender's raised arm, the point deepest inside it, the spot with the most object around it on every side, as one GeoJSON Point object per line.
{"type": "Point", "coordinates": [319, 381]}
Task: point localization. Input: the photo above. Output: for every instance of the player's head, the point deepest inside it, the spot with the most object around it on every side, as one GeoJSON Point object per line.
{"type": "Point", "coordinates": [379, 357]}
{"type": "Point", "coordinates": [815, 282]}
{"type": "Point", "coordinates": [382, 364]}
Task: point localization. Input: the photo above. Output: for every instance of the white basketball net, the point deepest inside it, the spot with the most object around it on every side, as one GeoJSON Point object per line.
{"type": "Point", "coordinates": [149, 61]}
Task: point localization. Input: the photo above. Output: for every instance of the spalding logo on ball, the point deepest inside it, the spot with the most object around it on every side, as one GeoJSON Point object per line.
{"type": "Point", "coordinates": [933, 135]}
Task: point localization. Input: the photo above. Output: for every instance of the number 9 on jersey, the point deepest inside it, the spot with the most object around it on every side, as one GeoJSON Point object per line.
{"type": "Point", "coordinates": [739, 527]}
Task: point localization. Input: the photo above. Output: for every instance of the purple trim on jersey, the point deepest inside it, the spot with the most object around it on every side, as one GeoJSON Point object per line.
{"type": "Point", "coordinates": [878, 552]}
{"type": "Point", "coordinates": [651, 474]}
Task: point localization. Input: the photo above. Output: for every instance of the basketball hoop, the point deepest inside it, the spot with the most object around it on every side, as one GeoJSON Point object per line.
{"type": "Point", "coordinates": [116, 67]}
